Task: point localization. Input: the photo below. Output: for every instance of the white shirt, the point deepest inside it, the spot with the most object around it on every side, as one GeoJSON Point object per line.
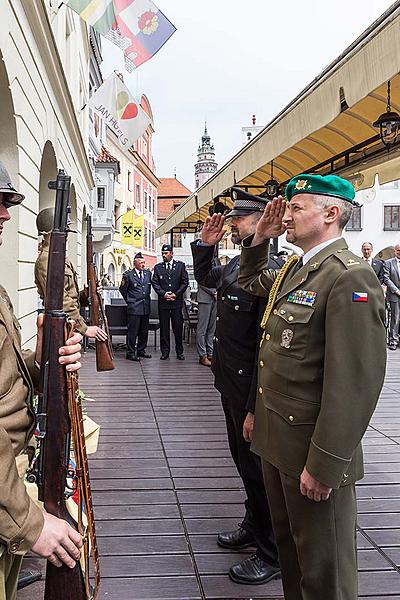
{"type": "Point", "coordinates": [368, 260]}
{"type": "Point", "coordinates": [138, 273]}
{"type": "Point", "coordinates": [311, 253]}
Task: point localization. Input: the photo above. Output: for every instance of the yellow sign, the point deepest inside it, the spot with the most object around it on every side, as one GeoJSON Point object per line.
{"type": "Point", "coordinates": [132, 229]}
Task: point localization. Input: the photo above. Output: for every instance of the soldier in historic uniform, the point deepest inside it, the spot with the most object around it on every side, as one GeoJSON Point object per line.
{"type": "Point", "coordinates": [73, 298]}
{"type": "Point", "coordinates": [170, 282]}
{"type": "Point", "coordinates": [321, 369]}
{"type": "Point", "coordinates": [23, 526]}
{"type": "Point", "coordinates": [135, 288]}
{"type": "Point", "coordinates": [235, 369]}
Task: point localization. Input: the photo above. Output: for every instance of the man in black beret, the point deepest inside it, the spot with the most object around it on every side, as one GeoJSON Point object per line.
{"type": "Point", "coordinates": [170, 282]}
{"type": "Point", "coordinates": [135, 288]}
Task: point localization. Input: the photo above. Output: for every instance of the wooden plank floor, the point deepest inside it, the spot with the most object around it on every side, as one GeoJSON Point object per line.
{"type": "Point", "coordinates": [164, 485]}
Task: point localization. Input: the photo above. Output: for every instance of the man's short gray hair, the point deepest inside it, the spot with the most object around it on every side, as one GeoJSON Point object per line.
{"type": "Point", "coordinates": [345, 207]}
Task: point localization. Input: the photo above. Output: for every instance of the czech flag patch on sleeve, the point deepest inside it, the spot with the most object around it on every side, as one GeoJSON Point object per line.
{"type": "Point", "coordinates": [360, 296]}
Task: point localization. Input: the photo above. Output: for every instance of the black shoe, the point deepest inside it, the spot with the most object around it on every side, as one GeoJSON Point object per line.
{"type": "Point", "coordinates": [180, 357]}
{"type": "Point", "coordinates": [28, 576]}
{"type": "Point", "coordinates": [133, 357]}
{"type": "Point", "coordinates": [164, 356]}
{"type": "Point", "coordinates": [392, 346]}
{"type": "Point", "coordinates": [144, 355]}
{"type": "Point", "coordinates": [253, 571]}
{"type": "Point", "coordinates": [236, 540]}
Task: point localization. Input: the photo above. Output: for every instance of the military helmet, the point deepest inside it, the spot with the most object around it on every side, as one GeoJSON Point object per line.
{"type": "Point", "coordinates": [6, 187]}
{"type": "Point", "coordinates": [45, 220]}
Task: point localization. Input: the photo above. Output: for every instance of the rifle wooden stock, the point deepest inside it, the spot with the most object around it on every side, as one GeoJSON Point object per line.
{"type": "Point", "coordinates": [54, 424]}
{"type": "Point", "coordinates": [104, 352]}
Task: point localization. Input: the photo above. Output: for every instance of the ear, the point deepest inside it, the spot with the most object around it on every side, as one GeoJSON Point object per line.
{"type": "Point", "coordinates": [332, 214]}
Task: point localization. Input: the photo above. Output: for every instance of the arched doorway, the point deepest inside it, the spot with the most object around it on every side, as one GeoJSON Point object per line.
{"type": "Point", "coordinates": [9, 254]}
{"type": "Point", "coordinates": [111, 273]}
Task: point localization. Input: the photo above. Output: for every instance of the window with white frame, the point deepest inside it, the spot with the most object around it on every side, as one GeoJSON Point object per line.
{"type": "Point", "coordinates": [101, 197]}
{"type": "Point", "coordinates": [138, 196]}
{"type": "Point", "coordinates": [145, 201]}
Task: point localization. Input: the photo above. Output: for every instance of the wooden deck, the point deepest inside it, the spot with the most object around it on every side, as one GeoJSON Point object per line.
{"type": "Point", "coordinates": [164, 485]}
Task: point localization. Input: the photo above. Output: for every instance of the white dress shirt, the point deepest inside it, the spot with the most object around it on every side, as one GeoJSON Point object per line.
{"type": "Point", "coordinates": [311, 253]}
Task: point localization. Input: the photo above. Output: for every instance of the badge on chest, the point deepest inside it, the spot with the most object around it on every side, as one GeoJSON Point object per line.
{"type": "Point", "coordinates": [302, 297]}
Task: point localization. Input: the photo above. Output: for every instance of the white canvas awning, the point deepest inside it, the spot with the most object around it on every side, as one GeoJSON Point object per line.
{"type": "Point", "coordinates": [331, 118]}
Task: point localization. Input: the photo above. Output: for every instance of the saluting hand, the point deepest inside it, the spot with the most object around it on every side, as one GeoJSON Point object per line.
{"type": "Point", "coordinates": [271, 223]}
{"type": "Point", "coordinates": [213, 230]}
{"type": "Point", "coordinates": [312, 488]}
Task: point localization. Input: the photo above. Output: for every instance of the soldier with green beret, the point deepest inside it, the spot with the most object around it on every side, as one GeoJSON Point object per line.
{"type": "Point", "coordinates": [321, 369]}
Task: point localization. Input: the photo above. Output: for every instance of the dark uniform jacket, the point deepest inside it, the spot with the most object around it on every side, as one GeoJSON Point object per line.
{"type": "Point", "coordinates": [136, 291]}
{"type": "Point", "coordinates": [379, 269]}
{"type": "Point", "coordinates": [175, 280]}
{"type": "Point", "coordinates": [321, 364]}
{"type": "Point", "coordinates": [237, 333]}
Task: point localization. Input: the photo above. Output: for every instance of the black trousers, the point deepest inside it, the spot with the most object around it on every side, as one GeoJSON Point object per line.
{"type": "Point", "coordinates": [258, 517]}
{"type": "Point", "coordinates": [174, 316]}
{"type": "Point", "coordinates": [138, 332]}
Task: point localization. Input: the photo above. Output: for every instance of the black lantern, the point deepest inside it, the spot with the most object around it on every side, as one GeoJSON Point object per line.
{"type": "Point", "coordinates": [272, 185]}
{"type": "Point", "coordinates": [388, 124]}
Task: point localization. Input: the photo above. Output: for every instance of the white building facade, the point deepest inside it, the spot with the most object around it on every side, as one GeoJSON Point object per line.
{"type": "Point", "coordinates": [44, 66]}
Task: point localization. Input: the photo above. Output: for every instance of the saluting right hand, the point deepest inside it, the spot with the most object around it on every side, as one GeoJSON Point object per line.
{"type": "Point", "coordinates": [58, 542]}
{"type": "Point", "coordinates": [213, 230]}
{"type": "Point", "coordinates": [271, 223]}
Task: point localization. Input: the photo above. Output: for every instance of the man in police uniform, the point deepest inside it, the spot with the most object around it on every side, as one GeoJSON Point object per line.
{"type": "Point", "coordinates": [23, 526]}
{"type": "Point", "coordinates": [235, 369]}
{"type": "Point", "coordinates": [321, 370]}
{"type": "Point", "coordinates": [73, 298]}
{"type": "Point", "coordinates": [170, 282]}
{"type": "Point", "coordinates": [135, 288]}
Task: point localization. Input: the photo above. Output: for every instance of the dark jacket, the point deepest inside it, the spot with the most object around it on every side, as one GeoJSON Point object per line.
{"type": "Point", "coordinates": [136, 292]}
{"type": "Point", "coordinates": [238, 330]}
{"type": "Point", "coordinates": [379, 268]}
{"type": "Point", "coordinates": [176, 280]}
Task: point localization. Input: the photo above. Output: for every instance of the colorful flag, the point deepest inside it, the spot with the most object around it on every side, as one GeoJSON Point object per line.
{"type": "Point", "coordinates": [360, 296]}
{"type": "Point", "coordinates": [120, 111]}
{"type": "Point", "coordinates": [140, 29]}
{"type": "Point", "coordinates": [100, 14]}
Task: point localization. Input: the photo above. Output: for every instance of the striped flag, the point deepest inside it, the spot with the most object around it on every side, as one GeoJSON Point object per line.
{"type": "Point", "coordinates": [100, 14]}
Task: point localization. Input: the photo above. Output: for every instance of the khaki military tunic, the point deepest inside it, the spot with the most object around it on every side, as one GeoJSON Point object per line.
{"type": "Point", "coordinates": [21, 521]}
{"type": "Point", "coordinates": [72, 296]}
{"type": "Point", "coordinates": [321, 370]}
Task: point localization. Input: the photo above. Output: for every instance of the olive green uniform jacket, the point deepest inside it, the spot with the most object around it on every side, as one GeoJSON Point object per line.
{"type": "Point", "coordinates": [321, 364]}
{"type": "Point", "coordinates": [73, 299]}
{"type": "Point", "coordinates": [21, 521]}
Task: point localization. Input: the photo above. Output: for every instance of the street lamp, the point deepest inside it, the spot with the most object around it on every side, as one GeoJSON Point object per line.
{"type": "Point", "coordinates": [388, 123]}
{"type": "Point", "coordinates": [272, 185]}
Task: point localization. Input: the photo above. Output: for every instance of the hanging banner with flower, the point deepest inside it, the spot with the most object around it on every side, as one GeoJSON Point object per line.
{"type": "Point", "coordinates": [138, 27]}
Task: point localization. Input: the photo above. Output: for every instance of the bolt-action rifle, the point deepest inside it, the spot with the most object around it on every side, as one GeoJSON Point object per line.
{"type": "Point", "coordinates": [60, 423]}
{"type": "Point", "coordinates": [104, 352]}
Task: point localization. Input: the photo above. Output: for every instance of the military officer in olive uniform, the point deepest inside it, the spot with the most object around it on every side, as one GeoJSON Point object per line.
{"type": "Point", "coordinates": [321, 370]}
{"type": "Point", "coordinates": [234, 365]}
{"type": "Point", "coordinates": [73, 298]}
{"type": "Point", "coordinates": [23, 526]}
{"type": "Point", "coordinates": [136, 288]}
{"type": "Point", "coordinates": [170, 282]}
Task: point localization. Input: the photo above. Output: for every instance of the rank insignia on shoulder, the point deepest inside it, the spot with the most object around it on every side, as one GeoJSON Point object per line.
{"type": "Point", "coordinates": [302, 297]}
{"type": "Point", "coordinates": [352, 262]}
{"type": "Point", "coordinates": [360, 297]}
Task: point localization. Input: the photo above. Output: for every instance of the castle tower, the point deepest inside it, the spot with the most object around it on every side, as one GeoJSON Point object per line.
{"type": "Point", "coordinates": [206, 165]}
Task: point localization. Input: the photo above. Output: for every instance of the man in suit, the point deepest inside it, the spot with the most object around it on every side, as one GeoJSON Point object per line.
{"type": "Point", "coordinates": [206, 314]}
{"type": "Point", "coordinates": [235, 370]}
{"type": "Point", "coordinates": [392, 281]}
{"type": "Point", "coordinates": [135, 289]}
{"type": "Point", "coordinates": [321, 369]}
{"type": "Point", "coordinates": [170, 282]}
{"type": "Point", "coordinates": [375, 263]}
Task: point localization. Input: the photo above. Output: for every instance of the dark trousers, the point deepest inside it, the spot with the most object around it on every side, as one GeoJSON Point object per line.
{"type": "Point", "coordinates": [138, 332]}
{"type": "Point", "coordinates": [257, 519]}
{"type": "Point", "coordinates": [167, 315]}
{"type": "Point", "coordinates": [316, 540]}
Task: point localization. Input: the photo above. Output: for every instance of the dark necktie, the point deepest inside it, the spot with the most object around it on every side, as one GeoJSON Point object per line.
{"type": "Point", "coordinates": [298, 265]}
{"type": "Point", "coordinates": [141, 275]}
{"type": "Point", "coordinates": [168, 267]}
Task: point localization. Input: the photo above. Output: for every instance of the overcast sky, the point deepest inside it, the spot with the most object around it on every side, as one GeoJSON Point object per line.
{"type": "Point", "coordinates": [230, 59]}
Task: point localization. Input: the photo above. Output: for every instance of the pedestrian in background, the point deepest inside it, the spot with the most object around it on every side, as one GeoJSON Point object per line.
{"type": "Point", "coordinates": [392, 281]}
{"type": "Point", "coordinates": [376, 264]}
{"type": "Point", "coordinates": [170, 282]}
{"type": "Point", "coordinates": [135, 289]}
{"type": "Point", "coordinates": [206, 314]}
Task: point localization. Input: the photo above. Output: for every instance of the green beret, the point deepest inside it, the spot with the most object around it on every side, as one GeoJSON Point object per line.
{"type": "Point", "coordinates": [328, 185]}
